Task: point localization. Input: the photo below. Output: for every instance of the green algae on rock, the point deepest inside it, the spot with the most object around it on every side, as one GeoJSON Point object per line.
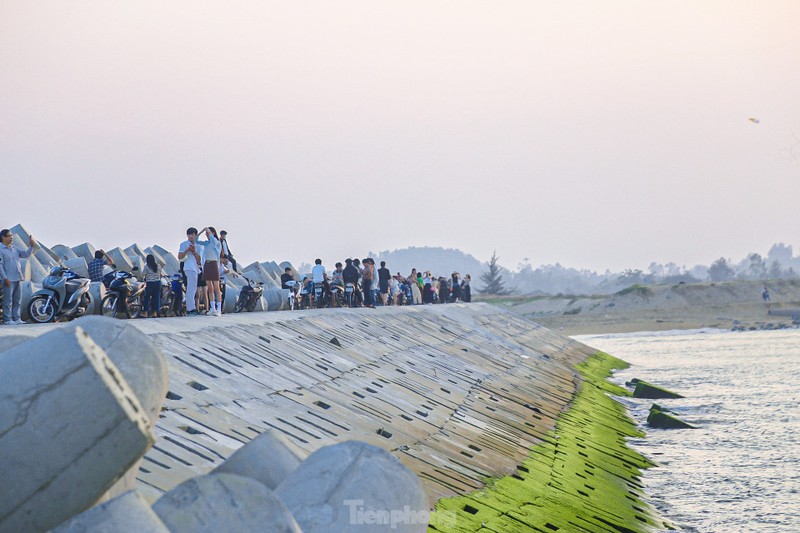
{"type": "Point", "coordinates": [659, 418]}
{"type": "Point", "coordinates": [647, 390]}
{"type": "Point", "coordinates": [581, 477]}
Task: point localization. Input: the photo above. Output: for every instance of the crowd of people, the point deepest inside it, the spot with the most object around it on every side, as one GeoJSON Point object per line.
{"type": "Point", "coordinates": [381, 286]}
{"type": "Point", "coordinates": [206, 263]}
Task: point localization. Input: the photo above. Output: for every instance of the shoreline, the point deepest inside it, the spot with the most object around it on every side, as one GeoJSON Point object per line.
{"type": "Point", "coordinates": [583, 474]}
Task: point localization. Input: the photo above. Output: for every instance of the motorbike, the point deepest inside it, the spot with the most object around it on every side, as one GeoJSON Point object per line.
{"type": "Point", "coordinates": [249, 295]}
{"type": "Point", "coordinates": [124, 297]}
{"type": "Point", "coordinates": [305, 295]}
{"type": "Point", "coordinates": [350, 294]}
{"type": "Point", "coordinates": [337, 295]}
{"type": "Point", "coordinates": [319, 295]}
{"type": "Point", "coordinates": [64, 295]}
{"type": "Point", "coordinates": [294, 287]}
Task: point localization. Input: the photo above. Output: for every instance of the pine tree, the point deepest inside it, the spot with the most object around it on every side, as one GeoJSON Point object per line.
{"type": "Point", "coordinates": [493, 279]}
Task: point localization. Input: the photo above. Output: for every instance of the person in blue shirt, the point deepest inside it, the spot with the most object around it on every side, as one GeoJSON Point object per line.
{"type": "Point", "coordinates": [11, 275]}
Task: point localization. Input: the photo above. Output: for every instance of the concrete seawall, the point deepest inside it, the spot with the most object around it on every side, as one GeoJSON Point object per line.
{"type": "Point", "coordinates": [458, 393]}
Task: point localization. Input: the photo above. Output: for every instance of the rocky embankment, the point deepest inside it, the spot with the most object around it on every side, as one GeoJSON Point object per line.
{"type": "Point", "coordinates": [323, 420]}
{"type": "Point", "coordinates": [730, 305]}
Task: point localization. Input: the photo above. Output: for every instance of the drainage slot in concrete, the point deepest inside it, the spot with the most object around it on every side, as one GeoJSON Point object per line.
{"type": "Point", "coordinates": [323, 367]}
{"type": "Point", "coordinates": [172, 396]}
{"type": "Point", "coordinates": [401, 371]}
{"type": "Point", "coordinates": [444, 390]}
{"type": "Point", "coordinates": [523, 469]}
{"type": "Point", "coordinates": [473, 447]}
{"type": "Point", "coordinates": [406, 417]}
{"type": "Point", "coordinates": [320, 403]}
{"type": "Point", "coordinates": [197, 386]}
{"type": "Point", "coordinates": [427, 407]}
{"type": "Point", "coordinates": [470, 509]}
{"type": "Point", "coordinates": [467, 454]}
{"type": "Point", "coordinates": [422, 413]}
{"type": "Point", "coordinates": [336, 342]}
{"type": "Point", "coordinates": [551, 526]}
{"type": "Point", "coordinates": [383, 433]}
{"type": "Point", "coordinates": [190, 430]}
{"type": "Point", "coordinates": [373, 391]}
{"type": "Point", "coordinates": [358, 394]}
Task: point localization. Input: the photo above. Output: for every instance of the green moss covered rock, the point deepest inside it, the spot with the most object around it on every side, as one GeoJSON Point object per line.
{"type": "Point", "coordinates": [646, 390]}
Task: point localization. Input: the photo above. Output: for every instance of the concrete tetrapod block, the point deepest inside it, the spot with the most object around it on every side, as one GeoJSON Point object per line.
{"type": "Point", "coordinates": [159, 260]}
{"type": "Point", "coordinates": [171, 263]}
{"type": "Point", "coordinates": [231, 295]}
{"type": "Point", "coordinates": [64, 252]}
{"type": "Point", "coordinates": [26, 290]}
{"type": "Point", "coordinates": [135, 251]}
{"type": "Point", "coordinates": [97, 291]}
{"type": "Point", "coordinates": [120, 259]}
{"type": "Point", "coordinates": [85, 250]}
{"type": "Point", "coordinates": [70, 425]}
{"type": "Point", "coordinates": [267, 458]}
{"type": "Point", "coordinates": [37, 271]}
{"type": "Point", "coordinates": [223, 502]}
{"type": "Point", "coordinates": [277, 299]}
{"type": "Point", "coordinates": [78, 265]}
{"type": "Point", "coordinates": [26, 268]}
{"type": "Point", "coordinates": [354, 486]}
{"type": "Point", "coordinates": [128, 512]}
{"type": "Point", "coordinates": [142, 365]}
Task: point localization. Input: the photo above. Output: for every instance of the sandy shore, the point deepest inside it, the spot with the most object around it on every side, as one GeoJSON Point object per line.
{"type": "Point", "coordinates": [733, 305]}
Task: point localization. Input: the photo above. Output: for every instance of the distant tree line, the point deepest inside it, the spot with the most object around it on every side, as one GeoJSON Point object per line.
{"type": "Point", "coordinates": [490, 278]}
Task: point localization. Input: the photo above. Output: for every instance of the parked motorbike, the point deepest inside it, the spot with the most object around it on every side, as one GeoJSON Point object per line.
{"type": "Point", "coordinates": [124, 297]}
{"type": "Point", "coordinates": [350, 294]}
{"type": "Point", "coordinates": [249, 295]}
{"type": "Point", "coordinates": [319, 295]}
{"type": "Point", "coordinates": [305, 295]}
{"type": "Point", "coordinates": [64, 295]}
{"type": "Point", "coordinates": [294, 288]}
{"type": "Point", "coordinates": [337, 295]}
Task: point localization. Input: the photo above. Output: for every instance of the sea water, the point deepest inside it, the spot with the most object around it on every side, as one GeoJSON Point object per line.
{"type": "Point", "coordinates": [740, 470]}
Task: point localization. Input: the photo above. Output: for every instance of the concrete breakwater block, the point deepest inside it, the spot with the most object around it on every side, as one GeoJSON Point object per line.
{"type": "Point", "coordinates": [78, 265]}
{"type": "Point", "coordinates": [223, 502]}
{"type": "Point", "coordinates": [276, 299]}
{"type": "Point", "coordinates": [267, 458]}
{"type": "Point", "coordinates": [646, 390]}
{"type": "Point", "coordinates": [128, 512]}
{"type": "Point", "coordinates": [120, 259]}
{"type": "Point", "coordinates": [354, 486]}
{"type": "Point", "coordinates": [70, 426]}
{"type": "Point", "coordinates": [138, 359]}
{"type": "Point", "coordinates": [171, 263]}
{"type": "Point", "coordinates": [142, 365]}
{"type": "Point", "coordinates": [85, 250]}
{"type": "Point", "coordinates": [64, 252]}
{"type": "Point", "coordinates": [662, 419]}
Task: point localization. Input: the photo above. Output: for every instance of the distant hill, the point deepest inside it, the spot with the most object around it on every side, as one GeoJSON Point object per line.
{"type": "Point", "coordinates": [440, 261]}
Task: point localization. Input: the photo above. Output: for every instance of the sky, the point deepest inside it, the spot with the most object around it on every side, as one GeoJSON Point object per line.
{"type": "Point", "coordinates": [600, 135]}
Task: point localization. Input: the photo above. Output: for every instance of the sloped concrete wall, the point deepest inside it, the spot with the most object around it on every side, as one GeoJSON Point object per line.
{"type": "Point", "coordinates": [458, 393]}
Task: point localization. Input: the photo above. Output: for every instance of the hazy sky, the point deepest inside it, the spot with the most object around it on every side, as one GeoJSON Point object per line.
{"type": "Point", "coordinates": [595, 134]}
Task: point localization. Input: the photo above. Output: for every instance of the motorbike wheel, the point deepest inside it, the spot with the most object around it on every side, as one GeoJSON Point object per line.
{"type": "Point", "coordinates": [41, 310]}
{"type": "Point", "coordinates": [239, 307]}
{"type": "Point", "coordinates": [108, 306]}
{"type": "Point", "coordinates": [135, 306]}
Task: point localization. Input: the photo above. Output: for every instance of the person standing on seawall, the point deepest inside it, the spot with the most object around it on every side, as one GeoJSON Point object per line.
{"type": "Point", "coordinates": [465, 289]}
{"type": "Point", "coordinates": [226, 251]}
{"type": "Point", "coordinates": [11, 275]}
{"type": "Point", "coordinates": [187, 253]}
{"type": "Point", "coordinates": [384, 278]}
{"type": "Point", "coordinates": [212, 251]}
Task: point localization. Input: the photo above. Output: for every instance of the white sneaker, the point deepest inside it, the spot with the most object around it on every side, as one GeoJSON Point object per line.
{"type": "Point", "coordinates": [19, 322]}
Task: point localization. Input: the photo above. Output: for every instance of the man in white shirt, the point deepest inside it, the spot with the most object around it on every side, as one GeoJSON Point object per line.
{"type": "Point", "coordinates": [191, 261]}
{"type": "Point", "coordinates": [318, 272]}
